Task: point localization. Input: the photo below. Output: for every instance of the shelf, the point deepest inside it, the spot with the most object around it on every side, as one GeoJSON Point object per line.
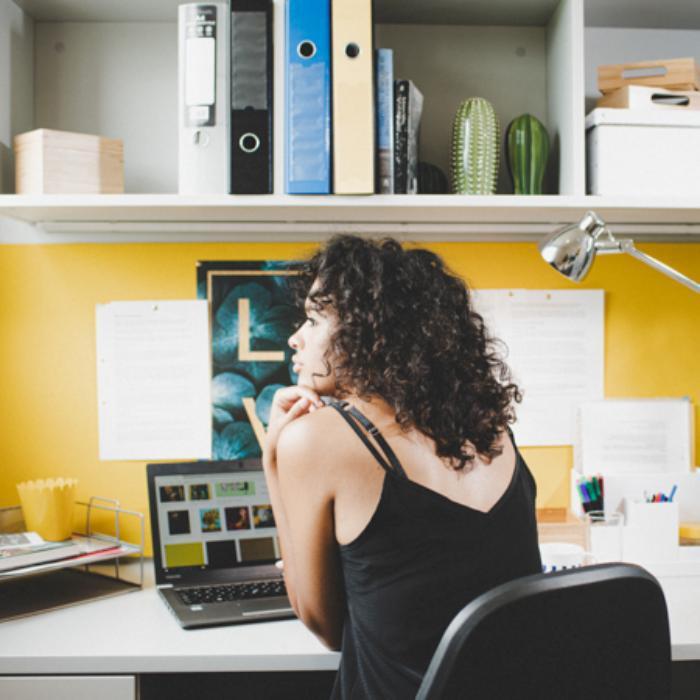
{"type": "Point", "coordinates": [621, 13]}
{"type": "Point", "coordinates": [283, 217]}
{"type": "Point", "coordinates": [500, 12]}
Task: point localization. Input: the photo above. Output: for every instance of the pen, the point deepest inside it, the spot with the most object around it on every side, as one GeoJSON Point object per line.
{"type": "Point", "coordinates": [583, 493]}
{"type": "Point", "coordinates": [673, 492]}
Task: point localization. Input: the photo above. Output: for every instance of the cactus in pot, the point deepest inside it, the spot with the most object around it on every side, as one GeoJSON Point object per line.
{"type": "Point", "coordinates": [527, 143]}
{"type": "Point", "coordinates": [475, 148]}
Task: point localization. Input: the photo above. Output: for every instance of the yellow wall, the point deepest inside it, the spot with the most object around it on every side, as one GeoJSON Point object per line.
{"type": "Point", "coordinates": [48, 388]}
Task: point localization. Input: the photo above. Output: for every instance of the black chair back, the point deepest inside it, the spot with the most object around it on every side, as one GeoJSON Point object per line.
{"type": "Point", "coordinates": [598, 632]}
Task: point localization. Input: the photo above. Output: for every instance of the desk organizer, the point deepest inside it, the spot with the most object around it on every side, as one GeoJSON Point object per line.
{"type": "Point", "coordinates": [651, 531]}
{"type": "Point", "coordinates": [57, 584]}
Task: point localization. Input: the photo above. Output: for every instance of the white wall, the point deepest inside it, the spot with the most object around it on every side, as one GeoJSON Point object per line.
{"type": "Point", "coordinates": [16, 78]}
{"type": "Point", "coordinates": [116, 79]}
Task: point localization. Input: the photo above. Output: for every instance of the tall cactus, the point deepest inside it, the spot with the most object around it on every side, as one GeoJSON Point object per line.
{"type": "Point", "coordinates": [527, 144]}
{"type": "Point", "coordinates": [476, 140]}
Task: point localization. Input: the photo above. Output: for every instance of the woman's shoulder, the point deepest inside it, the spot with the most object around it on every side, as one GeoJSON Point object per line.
{"type": "Point", "coordinates": [312, 437]}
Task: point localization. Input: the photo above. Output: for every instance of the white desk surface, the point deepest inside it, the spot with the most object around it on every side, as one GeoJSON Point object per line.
{"type": "Point", "coordinates": [135, 633]}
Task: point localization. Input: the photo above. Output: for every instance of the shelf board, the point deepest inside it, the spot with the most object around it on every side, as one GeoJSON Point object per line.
{"type": "Point", "coordinates": [285, 217]}
{"type": "Point", "coordinates": [681, 14]}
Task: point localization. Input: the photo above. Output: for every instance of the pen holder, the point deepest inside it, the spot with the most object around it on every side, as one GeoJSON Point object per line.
{"type": "Point", "coordinates": [47, 507]}
{"type": "Point", "coordinates": [651, 531]}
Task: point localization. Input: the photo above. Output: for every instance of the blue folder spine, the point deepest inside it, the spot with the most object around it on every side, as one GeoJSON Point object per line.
{"type": "Point", "coordinates": [384, 83]}
{"type": "Point", "coordinates": [308, 88]}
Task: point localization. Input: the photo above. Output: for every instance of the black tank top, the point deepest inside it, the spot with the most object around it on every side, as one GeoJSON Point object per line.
{"type": "Point", "coordinates": [421, 558]}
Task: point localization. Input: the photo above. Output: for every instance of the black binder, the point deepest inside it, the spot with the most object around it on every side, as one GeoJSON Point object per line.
{"type": "Point", "coordinates": [251, 96]}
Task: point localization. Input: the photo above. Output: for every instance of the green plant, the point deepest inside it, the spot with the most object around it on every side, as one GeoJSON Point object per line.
{"type": "Point", "coordinates": [527, 143]}
{"type": "Point", "coordinates": [475, 148]}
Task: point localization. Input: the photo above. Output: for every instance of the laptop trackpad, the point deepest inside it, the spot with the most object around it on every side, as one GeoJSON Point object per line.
{"type": "Point", "coordinates": [260, 608]}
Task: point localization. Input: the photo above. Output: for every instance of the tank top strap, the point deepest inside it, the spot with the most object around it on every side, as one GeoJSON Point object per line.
{"type": "Point", "coordinates": [354, 418]}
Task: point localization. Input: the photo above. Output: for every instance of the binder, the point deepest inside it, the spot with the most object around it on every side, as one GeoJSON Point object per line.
{"type": "Point", "coordinates": [385, 121]}
{"type": "Point", "coordinates": [203, 98]}
{"type": "Point", "coordinates": [308, 83]}
{"type": "Point", "coordinates": [251, 96]}
{"type": "Point", "coordinates": [353, 97]}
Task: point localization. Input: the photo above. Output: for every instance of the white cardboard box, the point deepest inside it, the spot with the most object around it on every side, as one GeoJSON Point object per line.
{"type": "Point", "coordinates": [643, 152]}
{"type": "Point", "coordinates": [651, 532]}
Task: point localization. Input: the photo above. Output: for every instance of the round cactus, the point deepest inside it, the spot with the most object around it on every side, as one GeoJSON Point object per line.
{"type": "Point", "coordinates": [527, 144]}
{"type": "Point", "coordinates": [476, 138]}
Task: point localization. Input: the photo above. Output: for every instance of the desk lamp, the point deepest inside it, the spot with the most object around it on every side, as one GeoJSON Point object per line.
{"type": "Point", "coordinates": [570, 250]}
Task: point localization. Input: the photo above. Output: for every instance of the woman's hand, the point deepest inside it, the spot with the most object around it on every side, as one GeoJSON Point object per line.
{"type": "Point", "coordinates": [288, 404]}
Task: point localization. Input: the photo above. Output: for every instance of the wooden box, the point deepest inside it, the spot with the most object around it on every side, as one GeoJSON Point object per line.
{"type": "Point", "coordinates": [644, 97]}
{"type": "Point", "coordinates": [560, 525]}
{"type": "Point", "coordinates": [674, 74]}
{"type": "Point", "coordinates": [62, 162]}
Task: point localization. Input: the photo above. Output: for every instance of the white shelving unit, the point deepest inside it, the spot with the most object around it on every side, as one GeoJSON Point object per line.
{"type": "Point", "coordinates": [110, 67]}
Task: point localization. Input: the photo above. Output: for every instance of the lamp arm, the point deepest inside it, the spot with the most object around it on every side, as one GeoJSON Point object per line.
{"type": "Point", "coordinates": [627, 246]}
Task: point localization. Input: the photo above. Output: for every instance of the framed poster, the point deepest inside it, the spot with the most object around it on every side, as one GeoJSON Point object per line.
{"type": "Point", "coordinates": [251, 316]}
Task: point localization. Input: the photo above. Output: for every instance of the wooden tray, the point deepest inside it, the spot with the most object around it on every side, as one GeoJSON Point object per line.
{"type": "Point", "coordinates": [673, 73]}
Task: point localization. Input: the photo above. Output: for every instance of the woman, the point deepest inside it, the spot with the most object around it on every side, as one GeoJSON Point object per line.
{"type": "Point", "coordinates": [405, 497]}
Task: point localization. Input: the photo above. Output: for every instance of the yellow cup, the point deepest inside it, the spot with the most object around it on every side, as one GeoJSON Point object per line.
{"type": "Point", "coordinates": [47, 506]}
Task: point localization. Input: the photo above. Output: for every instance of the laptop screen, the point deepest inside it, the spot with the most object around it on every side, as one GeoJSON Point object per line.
{"type": "Point", "coordinates": [209, 519]}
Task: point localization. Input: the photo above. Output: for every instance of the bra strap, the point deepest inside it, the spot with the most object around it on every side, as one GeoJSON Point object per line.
{"type": "Point", "coordinates": [352, 417]}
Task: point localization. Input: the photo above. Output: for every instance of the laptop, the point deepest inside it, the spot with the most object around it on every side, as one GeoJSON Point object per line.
{"type": "Point", "coordinates": [215, 543]}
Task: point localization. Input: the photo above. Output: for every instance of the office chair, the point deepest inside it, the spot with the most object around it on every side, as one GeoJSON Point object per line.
{"type": "Point", "coordinates": [598, 632]}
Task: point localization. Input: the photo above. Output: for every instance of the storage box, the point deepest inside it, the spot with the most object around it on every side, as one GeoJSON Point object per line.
{"type": "Point", "coordinates": [643, 97]}
{"type": "Point", "coordinates": [650, 152]}
{"type": "Point", "coordinates": [671, 73]}
{"type": "Point", "coordinates": [62, 162]}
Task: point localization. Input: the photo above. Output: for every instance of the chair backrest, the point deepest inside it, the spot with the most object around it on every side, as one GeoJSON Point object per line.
{"type": "Point", "coordinates": [596, 632]}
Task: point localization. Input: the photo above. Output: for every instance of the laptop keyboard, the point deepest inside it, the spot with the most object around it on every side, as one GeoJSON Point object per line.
{"type": "Point", "coordinates": [232, 591]}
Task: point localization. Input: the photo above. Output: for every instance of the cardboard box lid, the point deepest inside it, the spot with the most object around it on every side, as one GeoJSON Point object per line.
{"type": "Point", "coordinates": [604, 116]}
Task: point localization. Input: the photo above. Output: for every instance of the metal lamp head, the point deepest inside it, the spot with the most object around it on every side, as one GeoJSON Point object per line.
{"type": "Point", "coordinates": [570, 250]}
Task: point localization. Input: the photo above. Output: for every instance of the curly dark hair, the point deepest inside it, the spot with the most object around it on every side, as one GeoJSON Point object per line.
{"type": "Point", "coordinates": [408, 333]}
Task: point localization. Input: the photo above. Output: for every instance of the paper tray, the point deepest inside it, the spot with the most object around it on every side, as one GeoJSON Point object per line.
{"type": "Point", "coordinates": [57, 589]}
{"type": "Point", "coordinates": [57, 584]}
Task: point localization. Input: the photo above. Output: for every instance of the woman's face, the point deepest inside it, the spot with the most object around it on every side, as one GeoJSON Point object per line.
{"type": "Point", "coordinates": [310, 343]}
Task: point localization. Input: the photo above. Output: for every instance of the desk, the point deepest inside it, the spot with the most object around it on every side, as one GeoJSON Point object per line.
{"type": "Point", "coordinates": [135, 634]}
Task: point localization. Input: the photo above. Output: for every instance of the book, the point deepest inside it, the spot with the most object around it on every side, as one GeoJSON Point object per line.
{"type": "Point", "coordinates": [408, 109]}
{"type": "Point", "coordinates": [11, 540]}
{"type": "Point", "coordinates": [12, 557]}
{"type": "Point", "coordinates": [384, 82]}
